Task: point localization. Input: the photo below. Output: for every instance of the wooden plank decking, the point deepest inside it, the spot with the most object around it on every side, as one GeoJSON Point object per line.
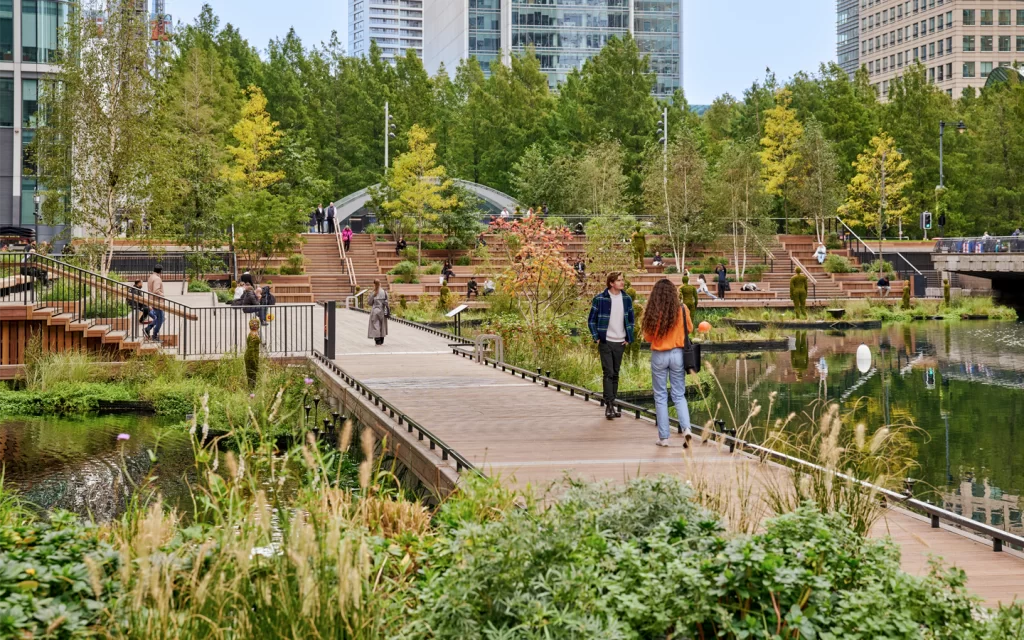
{"type": "Point", "coordinates": [522, 432]}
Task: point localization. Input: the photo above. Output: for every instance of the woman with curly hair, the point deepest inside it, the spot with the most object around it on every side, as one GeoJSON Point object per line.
{"type": "Point", "coordinates": [666, 325]}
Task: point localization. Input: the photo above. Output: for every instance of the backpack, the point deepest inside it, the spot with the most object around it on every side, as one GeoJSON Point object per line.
{"type": "Point", "coordinates": [268, 298]}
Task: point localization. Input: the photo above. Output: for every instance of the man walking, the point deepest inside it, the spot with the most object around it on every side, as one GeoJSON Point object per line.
{"type": "Point", "coordinates": [155, 284]}
{"type": "Point", "coordinates": [330, 218]}
{"type": "Point", "coordinates": [611, 326]}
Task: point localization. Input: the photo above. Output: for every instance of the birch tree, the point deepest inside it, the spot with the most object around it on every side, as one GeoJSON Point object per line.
{"type": "Point", "coordinates": [817, 193]}
{"type": "Point", "coordinates": [674, 194]}
{"type": "Point", "coordinates": [740, 201]}
{"type": "Point", "coordinates": [94, 146]}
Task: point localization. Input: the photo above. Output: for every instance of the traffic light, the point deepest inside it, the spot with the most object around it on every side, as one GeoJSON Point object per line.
{"type": "Point", "coordinates": [926, 220]}
{"type": "Point", "coordinates": [942, 220]}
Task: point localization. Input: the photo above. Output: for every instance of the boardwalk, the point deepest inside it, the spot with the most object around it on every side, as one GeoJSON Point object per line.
{"type": "Point", "coordinates": [520, 431]}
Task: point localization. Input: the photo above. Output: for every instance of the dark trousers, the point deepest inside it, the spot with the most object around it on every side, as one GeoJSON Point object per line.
{"type": "Point", "coordinates": [721, 290]}
{"type": "Point", "coordinates": [330, 225]}
{"type": "Point", "coordinates": [378, 340]}
{"type": "Point", "coordinates": [319, 225]}
{"type": "Point", "coordinates": [348, 243]}
{"type": "Point", "coordinates": [611, 361]}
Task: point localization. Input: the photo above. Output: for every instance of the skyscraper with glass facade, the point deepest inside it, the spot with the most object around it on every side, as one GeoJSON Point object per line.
{"type": "Point", "coordinates": [395, 25]}
{"type": "Point", "coordinates": [563, 33]}
{"type": "Point", "coordinates": [847, 47]}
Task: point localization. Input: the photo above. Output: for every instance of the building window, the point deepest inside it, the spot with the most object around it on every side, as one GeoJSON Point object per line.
{"type": "Point", "coordinates": [931, 25]}
{"type": "Point", "coordinates": [41, 22]}
{"type": "Point", "coordinates": [6, 29]}
{"type": "Point", "coordinates": [968, 43]}
{"type": "Point", "coordinates": [1020, 17]}
{"type": "Point", "coordinates": [986, 17]}
{"type": "Point", "coordinates": [940, 47]}
{"type": "Point", "coordinates": [986, 69]}
{"type": "Point", "coordinates": [1004, 17]}
{"type": "Point", "coordinates": [949, 70]}
{"type": "Point", "coordinates": [6, 102]}
{"type": "Point", "coordinates": [899, 59]}
{"type": "Point", "coordinates": [941, 77]}
{"type": "Point", "coordinates": [968, 18]}
{"type": "Point", "coordinates": [1004, 43]}
{"type": "Point", "coordinates": [931, 75]}
{"type": "Point", "coordinates": [986, 43]}
{"type": "Point", "coordinates": [29, 103]}
{"type": "Point", "coordinates": [968, 69]}
{"type": "Point", "coordinates": [1020, 43]}
{"type": "Point", "coordinates": [931, 49]}
{"type": "Point", "coordinates": [916, 57]}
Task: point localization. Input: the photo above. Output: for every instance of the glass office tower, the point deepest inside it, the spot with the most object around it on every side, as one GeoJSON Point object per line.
{"type": "Point", "coordinates": [847, 47]}
{"type": "Point", "coordinates": [395, 25]}
{"type": "Point", "coordinates": [563, 33]}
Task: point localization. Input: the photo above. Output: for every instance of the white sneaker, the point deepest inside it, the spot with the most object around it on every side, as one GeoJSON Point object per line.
{"type": "Point", "coordinates": [662, 443]}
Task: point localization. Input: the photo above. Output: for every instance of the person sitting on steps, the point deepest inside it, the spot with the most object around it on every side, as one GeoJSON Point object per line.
{"type": "Point", "coordinates": [472, 288]}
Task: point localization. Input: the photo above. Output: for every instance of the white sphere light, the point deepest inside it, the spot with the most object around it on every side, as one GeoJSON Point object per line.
{"type": "Point", "coordinates": [863, 358]}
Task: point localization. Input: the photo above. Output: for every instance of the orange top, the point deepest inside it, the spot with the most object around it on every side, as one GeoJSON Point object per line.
{"type": "Point", "coordinates": [675, 338]}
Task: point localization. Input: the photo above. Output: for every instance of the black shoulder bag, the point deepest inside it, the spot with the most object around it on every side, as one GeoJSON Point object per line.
{"type": "Point", "coordinates": [691, 352]}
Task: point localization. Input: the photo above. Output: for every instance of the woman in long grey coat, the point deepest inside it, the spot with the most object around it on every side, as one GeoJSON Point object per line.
{"type": "Point", "coordinates": [378, 314]}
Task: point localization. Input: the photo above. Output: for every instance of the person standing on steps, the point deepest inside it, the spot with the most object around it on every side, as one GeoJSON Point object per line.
{"type": "Point", "coordinates": [155, 284]}
{"type": "Point", "coordinates": [611, 326]}
{"type": "Point", "coordinates": [380, 311]}
{"type": "Point", "coordinates": [320, 216]}
{"type": "Point", "coordinates": [346, 238]}
{"type": "Point", "coordinates": [723, 282]}
{"type": "Point", "coordinates": [330, 217]}
{"type": "Point", "coordinates": [666, 325]}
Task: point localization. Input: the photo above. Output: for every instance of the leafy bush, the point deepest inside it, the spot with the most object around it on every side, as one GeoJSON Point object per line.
{"type": "Point", "coordinates": [463, 261]}
{"type": "Point", "coordinates": [65, 290]}
{"type": "Point", "coordinates": [837, 264]}
{"type": "Point", "coordinates": [199, 286]}
{"type": "Point", "coordinates": [832, 241]}
{"type": "Point", "coordinates": [432, 269]}
{"type": "Point", "coordinates": [224, 296]}
{"type": "Point", "coordinates": [671, 269]}
{"type": "Point", "coordinates": [411, 253]}
{"type": "Point", "coordinates": [405, 272]}
{"type": "Point", "coordinates": [294, 267]}
{"type": "Point", "coordinates": [877, 265]}
{"type": "Point", "coordinates": [56, 576]}
{"type": "Point", "coordinates": [63, 398]}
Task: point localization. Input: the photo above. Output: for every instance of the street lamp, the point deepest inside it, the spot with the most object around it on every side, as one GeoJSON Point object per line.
{"type": "Point", "coordinates": [960, 128]}
{"type": "Point", "coordinates": [36, 199]}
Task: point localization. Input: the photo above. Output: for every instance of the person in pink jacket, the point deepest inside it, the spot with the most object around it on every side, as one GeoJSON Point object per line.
{"type": "Point", "coordinates": [346, 236]}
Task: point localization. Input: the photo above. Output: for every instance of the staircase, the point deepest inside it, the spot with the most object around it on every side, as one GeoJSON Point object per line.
{"type": "Point", "coordinates": [363, 254]}
{"type": "Point", "coordinates": [326, 271]}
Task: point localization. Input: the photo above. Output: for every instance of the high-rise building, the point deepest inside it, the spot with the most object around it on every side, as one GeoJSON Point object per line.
{"type": "Point", "coordinates": [847, 42]}
{"type": "Point", "coordinates": [395, 25]}
{"type": "Point", "coordinates": [563, 34]}
{"type": "Point", "coordinates": [958, 43]}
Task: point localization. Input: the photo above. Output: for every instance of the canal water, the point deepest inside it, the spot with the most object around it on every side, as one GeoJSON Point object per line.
{"type": "Point", "coordinates": [80, 465]}
{"type": "Point", "coordinates": [961, 384]}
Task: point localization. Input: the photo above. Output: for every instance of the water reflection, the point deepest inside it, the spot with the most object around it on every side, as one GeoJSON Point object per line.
{"type": "Point", "coordinates": [960, 383]}
{"type": "Point", "coordinates": [79, 464]}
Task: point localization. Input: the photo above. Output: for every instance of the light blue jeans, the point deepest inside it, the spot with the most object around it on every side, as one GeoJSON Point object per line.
{"type": "Point", "coordinates": [668, 366]}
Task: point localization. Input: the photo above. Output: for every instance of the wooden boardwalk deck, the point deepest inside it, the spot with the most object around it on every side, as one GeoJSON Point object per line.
{"type": "Point", "coordinates": [531, 435]}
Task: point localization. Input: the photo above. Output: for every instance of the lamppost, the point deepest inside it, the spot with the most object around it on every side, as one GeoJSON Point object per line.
{"type": "Point", "coordinates": [939, 190]}
{"type": "Point", "coordinates": [36, 199]}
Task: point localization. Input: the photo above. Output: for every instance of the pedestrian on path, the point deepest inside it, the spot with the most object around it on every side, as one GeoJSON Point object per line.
{"type": "Point", "coordinates": [666, 325]}
{"type": "Point", "coordinates": [155, 284]}
{"type": "Point", "coordinates": [378, 314]}
{"type": "Point", "coordinates": [611, 326]}
{"type": "Point", "coordinates": [346, 237]}
{"type": "Point", "coordinates": [330, 218]}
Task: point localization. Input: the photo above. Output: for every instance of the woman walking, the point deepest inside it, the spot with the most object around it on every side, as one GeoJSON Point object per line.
{"type": "Point", "coordinates": [666, 325]}
{"type": "Point", "coordinates": [379, 314]}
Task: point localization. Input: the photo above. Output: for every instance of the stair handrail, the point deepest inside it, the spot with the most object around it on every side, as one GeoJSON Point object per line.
{"type": "Point", "coordinates": [797, 263]}
{"type": "Point", "coordinates": [344, 256]}
{"type": "Point", "coordinates": [874, 253]}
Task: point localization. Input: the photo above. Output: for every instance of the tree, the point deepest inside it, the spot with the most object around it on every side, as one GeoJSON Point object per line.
{"type": "Point", "coordinates": [779, 146]}
{"type": "Point", "coordinates": [816, 191]}
{"type": "Point", "coordinates": [877, 192]}
{"type": "Point", "coordinates": [675, 195]}
{"type": "Point", "coordinates": [601, 185]}
{"type": "Point", "coordinates": [257, 138]}
{"type": "Point", "coordinates": [539, 279]}
{"type": "Point", "coordinates": [265, 224]}
{"type": "Point", "coordinates": [740, 201]}
{"type": "Point", "coordinates": [418, 184]}
{"type": "Point", "coordinates": [553, 179]}
{"type": "Point", "coordinates": [606, 245]}
{"type": "Point", "coordinates": [460, 222]}
{"type": "Point", "coordinates": [94, 147]}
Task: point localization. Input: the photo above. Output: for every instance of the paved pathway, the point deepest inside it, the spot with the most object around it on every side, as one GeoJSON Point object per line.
{"type": "Point", "coordinates": [527, 434]}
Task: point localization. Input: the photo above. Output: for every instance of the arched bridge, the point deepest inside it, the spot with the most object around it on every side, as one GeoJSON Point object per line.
{"type": "Point", "coordinates": [492, 200]}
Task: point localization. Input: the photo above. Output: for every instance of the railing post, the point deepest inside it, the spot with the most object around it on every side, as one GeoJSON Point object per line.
{"type": "Point", "coordinates": [330, 329]}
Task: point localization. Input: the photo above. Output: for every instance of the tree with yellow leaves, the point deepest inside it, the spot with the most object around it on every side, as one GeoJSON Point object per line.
{"type": "Point", "coordinates": [779, 146]}
{"type": "Point", "coordinates": [258, 137]}
{"type": "Point", "coordinates": [876, 194]}
{"type": "Point", "coordinates": [415, 187]}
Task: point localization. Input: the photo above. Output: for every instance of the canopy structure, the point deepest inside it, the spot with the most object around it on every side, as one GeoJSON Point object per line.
{"type": "Point", "coordinates": [492, 201]}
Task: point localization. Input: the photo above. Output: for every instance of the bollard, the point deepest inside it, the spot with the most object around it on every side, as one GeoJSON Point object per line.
{"type": "Point", "coordinates": [935, 521]}
{"type": "Point", "coordinates": [908, 487]}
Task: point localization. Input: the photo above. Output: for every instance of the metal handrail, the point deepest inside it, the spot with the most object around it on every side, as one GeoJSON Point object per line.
{"type": "Point", "coordinates": [937, 514]}
{"type": "Point", "coordinates": [873, 252]}
{"type": "Point", "coordinates": [396, 413]}
{"type": "Point", "coordinates": [982, 244]}
{"type": "Point", "coordinates": [344, 256]}
{"type": "Point", "coordinates": [354, 298]}
{"type": "Point", "coordinates": [797, 263]}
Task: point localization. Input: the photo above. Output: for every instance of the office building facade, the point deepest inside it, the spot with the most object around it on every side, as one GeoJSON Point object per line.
{"type": "Point", "coordinates": [563, 34]}
{"type": "Point", "coordinates": [959, 43]}
{"type": "Point", "coordinates": [847, 40]}
{"type": "Point", "coordinates": [395, 25]}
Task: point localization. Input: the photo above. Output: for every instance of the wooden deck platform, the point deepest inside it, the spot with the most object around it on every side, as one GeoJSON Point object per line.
{"type": "Point", "coordinates": [532, 435]}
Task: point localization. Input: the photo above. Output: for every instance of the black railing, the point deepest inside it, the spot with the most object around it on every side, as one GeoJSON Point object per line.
{"type": "Point", "coordinates": [858, 248]}
{"type": "Point", "coordinates": [411, 426]}
{"type": "Point", "coordinates": [105, 308]}
{"type": "Point", "coordinates": [132, 265]}
{"type": "Point", "coordinates": [984, 244]}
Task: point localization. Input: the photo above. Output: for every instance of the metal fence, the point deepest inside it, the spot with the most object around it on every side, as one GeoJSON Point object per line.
{"type": "Point", "coordinates": [984, 244]}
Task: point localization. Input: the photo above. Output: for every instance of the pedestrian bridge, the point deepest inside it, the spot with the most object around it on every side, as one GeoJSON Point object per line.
{"type": "Point", "coordinates": [492, 200]}
{"type": "Point", "coordinates": [997, 258]}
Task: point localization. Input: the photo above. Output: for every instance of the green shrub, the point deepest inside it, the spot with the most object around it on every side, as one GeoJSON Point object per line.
{"type": "Point", "coordinates": [405, 272]}
{"type": "Point", "coordinates": [432, 269]}
{"type": "Point", "coordinates": [224, 296]}
{"type": "Point", "coordinates": [555, 222]}
{"type": "Point", "coordinates": [671, 269]}
{"type": "Point", "coordinates": [65, 290]}
{"type": "Point", "coordinates": [294, 267]}
{"type": "Point", "coordinates": [837, 264]}
{"type": "Point", "coordinates": [463, 261]}
{"type": "Point", "coordinates": [411, 254]}
{"type": "Point", "coordinates": [105, 308]}
{"type": "Point", "coordinates": [832, 241]}
{"type": "Point", "coordinates": [199, 286]}
{"type": "Point", "coordinates": [875, 266]}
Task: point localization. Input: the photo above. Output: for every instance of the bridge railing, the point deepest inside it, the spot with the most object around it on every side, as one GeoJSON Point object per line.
{"type": "Point", "coordinates": [983, 244]}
